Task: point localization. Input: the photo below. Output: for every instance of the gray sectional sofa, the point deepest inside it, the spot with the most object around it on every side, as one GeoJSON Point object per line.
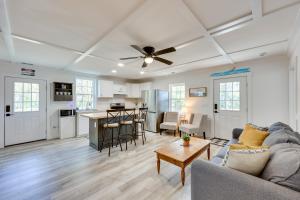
{"type": "Point", "coordinates": [280, 180]}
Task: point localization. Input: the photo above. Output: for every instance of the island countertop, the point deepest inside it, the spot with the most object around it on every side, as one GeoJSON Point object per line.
{"type": "Point", "coordinates": [99, 115]}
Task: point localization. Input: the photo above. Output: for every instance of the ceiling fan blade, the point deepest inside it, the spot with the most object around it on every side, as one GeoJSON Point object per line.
{"type": "Point", "coordinates": [164, 51]}
{"type": "Point", "coordinates": [138, 49]}
{"type": "Point", "coordinates": [144, 65]}
{"type": "Point", "coordinates": [130, 58]}
{"type": "Point", "coordinates": [163, 60]}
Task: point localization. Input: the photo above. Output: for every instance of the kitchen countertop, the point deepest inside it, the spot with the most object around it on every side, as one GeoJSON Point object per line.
{"type": "Point", "coordinates": [98, 115]}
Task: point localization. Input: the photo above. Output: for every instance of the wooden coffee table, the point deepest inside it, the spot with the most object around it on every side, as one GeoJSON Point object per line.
{"type": "Point", "coordinates": [182, 156]}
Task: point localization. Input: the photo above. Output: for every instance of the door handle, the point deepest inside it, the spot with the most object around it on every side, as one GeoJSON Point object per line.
{"type": "Point", "coordinates": [8, 114]}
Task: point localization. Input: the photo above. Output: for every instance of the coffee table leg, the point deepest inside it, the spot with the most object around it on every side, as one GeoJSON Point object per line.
{"type": "Point", "coordinates": [182, 175]}
{"type": "Point", "coordinates": [158, 164]}
{"type": "Point", "coordinates": [208, 152]}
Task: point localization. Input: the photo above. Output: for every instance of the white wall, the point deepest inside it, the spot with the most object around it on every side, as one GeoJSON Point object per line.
{"type": "Point", "coordinates": [294, 77]}
{"type": "Point", "coordinates": [269, 78]}
{"type": "Point", "coordinates": [50, 75]}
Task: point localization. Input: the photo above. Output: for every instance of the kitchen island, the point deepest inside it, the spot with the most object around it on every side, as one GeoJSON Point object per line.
{"type": "Point", "coordinates": [96, 130]}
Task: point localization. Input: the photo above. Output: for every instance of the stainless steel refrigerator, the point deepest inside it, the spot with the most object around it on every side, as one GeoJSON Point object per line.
{"type": "Point", "coordinates": [157, 102]}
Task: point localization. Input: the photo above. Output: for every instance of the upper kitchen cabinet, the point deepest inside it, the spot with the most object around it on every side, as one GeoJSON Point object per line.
{"type": "Point", "coordinates": [133, 90]}
{"type": "Point", "coordinates": [120, 89]}
{"type": "Point", "coordinates": [145, 86]}
{"type": "Point", "coordinates": [105, 88]}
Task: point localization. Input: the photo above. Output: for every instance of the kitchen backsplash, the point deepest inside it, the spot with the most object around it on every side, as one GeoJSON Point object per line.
{"type": "Point", "coordinates": [104, 103]}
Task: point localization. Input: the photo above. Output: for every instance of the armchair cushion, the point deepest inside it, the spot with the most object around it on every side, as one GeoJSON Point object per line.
{"type": "Point", "coordinates": [189, 128]}
{"type": "Point", "coordinates": [169, 125]}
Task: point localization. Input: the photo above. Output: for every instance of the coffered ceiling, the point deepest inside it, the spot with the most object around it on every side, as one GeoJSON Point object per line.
{"type": "Point", "coordinates": [90, 36]}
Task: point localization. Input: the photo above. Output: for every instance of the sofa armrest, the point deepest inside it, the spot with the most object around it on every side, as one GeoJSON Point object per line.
{"type": "Point", "coordinates": [209, 181]}
{"type": "Point", "coordinates": [236, 133]}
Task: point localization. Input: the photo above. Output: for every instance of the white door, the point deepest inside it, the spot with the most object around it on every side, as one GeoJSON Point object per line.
{"type": "Point", "coordinates": [25, 110]}
{"type": "Point", "coordinates": [230, 105]}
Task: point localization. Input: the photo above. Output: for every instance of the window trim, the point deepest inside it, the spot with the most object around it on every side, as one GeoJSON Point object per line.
{"type": "Point", "coordinates": [170, 94]}
{"type": "Point", "coordinates": [94, 91]}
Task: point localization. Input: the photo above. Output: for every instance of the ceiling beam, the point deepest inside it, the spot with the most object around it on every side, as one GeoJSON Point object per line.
{"type": "Point", "coordinates": [256, 7]}
{"type": "Point", "coordinates": [6, 30]}
{"type": "Point", "coordinates": [218, 47]}
{"type": "Point", "coordinates": [100, 39]}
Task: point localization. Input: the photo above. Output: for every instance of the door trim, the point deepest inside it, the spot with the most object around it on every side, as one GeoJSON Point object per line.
{"type": "Point", "coordinates": [248, 77]}
{"type": "Point", "coordinates": [46, 113]}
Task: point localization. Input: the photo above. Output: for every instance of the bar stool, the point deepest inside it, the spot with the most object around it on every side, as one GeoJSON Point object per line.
{"type": "Point", "coordinates": [127, 121]}
{"type": "Point", "coordinates": [112, 122]}
{"type": "Point", "coordinates": [142, 116]}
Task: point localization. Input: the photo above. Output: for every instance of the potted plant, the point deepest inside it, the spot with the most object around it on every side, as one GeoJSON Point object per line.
{"type": "Point", "coordinates": [186, 139]}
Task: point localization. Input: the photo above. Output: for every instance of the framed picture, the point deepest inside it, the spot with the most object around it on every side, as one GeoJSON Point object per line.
{"type": "Point", "coordinates": [198, 92]}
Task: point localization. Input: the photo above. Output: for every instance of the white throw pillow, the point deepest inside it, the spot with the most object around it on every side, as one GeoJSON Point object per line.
{"type": "Point", "coordinates": [250, 161]}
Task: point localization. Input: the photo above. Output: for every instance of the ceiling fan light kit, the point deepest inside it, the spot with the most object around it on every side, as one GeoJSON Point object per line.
{"type": "Point", "coordinates": [149, 55]}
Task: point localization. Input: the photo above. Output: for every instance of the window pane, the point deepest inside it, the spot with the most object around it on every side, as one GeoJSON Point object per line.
{"type": "Point", "coordinates": [35, 106]}
{"type": "Point", "coordinates": [18, 87]}
{"type": "Point", "coordinates": [18, 107]}
{"type": "Point", "coordinates": [228, 105]}
{"type": "Point", "coordinates": [236, 86]}
{"type": "Point", "coordinates": [27, 97]}
{"type": "Point", "coordinates": [18, 97]}
{"type": "Point", "coordinates": [27, 87]}
{"type": "Point", "coordinates": [26, 106]}
{"type": "Point", "coordinates": [222, 105]}
{"type": "Point", "coordinates": [228, 96]}
{"type": "Point", "coordinates": [236, 96]}
{"type": "Point", "coordinates": [222, 87]}
{"type": "Point", "coordinates": [35, 96]}
{"type": "Point", "coordinates": [236, 105]}
{"type": "Point", "coordinates": [35, 87]}
{"type": "Point", "coordinates": [222, 95]}
{"type": "Point", "coordinates": [78, 82]}
{"type": "Point", "coordinates": [229, 86]}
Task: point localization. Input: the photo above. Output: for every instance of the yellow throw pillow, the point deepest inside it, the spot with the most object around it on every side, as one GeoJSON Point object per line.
{"type": "Point", "coordinates": [250, 160]}
{"type": "Point", "coordinates": [252, 136]}
{"type": "Point", "coordinates": [242, 147]}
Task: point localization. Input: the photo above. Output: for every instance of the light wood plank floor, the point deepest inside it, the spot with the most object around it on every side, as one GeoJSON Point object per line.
{"type": "Point", "coordinates": [70, 169]}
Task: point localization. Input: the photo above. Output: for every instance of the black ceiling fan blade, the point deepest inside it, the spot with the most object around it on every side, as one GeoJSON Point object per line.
{"type": "Point", "coordinates": [135, 57]}
{"type": "Point", "coordinates": [144, 65]}
{"type": "Point", "coordinates": [163, 60]}
{"type": "Point", "coordinates": [164, 51]}
{"type": "Point", "coordinates": [138, 49]}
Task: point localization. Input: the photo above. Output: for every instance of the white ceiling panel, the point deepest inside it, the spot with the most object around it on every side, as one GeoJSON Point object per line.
{"type": "Point", "coordinates": [163, 23]}
{"type": "Point", "coordinates": [41, 54]}
{"type": "Point", "coordinates": [275, 49]}
{"type": "Point", "coordinates": [3, 50]}
{"type": "Point", "coordinates": [98, 66]}
{"type": "Point", "coordinates": [271, 28]}
{"type": "Point", "coordinates": [213, 13]}
{"type": "Point", "coordinates": [75, 24]}
{"type": "Point", "coordinates": [212, 62]}
{"type": "Point", "coordinates": [272, 5]}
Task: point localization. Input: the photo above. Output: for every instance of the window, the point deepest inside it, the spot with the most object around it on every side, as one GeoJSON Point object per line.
{"type": "Point", "coordinates": [84, 94]}
{"type": "Point", "coordinates": [177, 96]}
{"type": "Point", "coordinates": [26, 97]}
{"type": "Point", "coordinates": [230, 96]}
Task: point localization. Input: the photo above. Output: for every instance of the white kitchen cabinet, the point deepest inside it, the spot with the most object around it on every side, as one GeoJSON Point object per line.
{"type": "Point", "coordinates": [133, 90]}
{"type": "Point", "coordinates": [82, 125]}
{"type": "Point", "coordinates": [120, 89]}
{"type": "Point", "coordinates": [145, 86]}
{"type": "Point", "coordinates": [105, 88]}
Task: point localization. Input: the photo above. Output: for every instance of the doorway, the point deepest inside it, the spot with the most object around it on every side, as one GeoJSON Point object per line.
{"type": "Point", "coordinates": [230, 105]}
{"type": "Point", "coordinates": [25, 110]}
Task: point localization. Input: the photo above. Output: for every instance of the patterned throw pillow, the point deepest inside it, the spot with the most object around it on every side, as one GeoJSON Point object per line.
{"type": "Point", "coordinates": [250, 160]}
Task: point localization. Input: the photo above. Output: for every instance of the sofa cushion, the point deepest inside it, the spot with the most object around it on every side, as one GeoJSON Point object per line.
{"type": "Point", "coordinates": [279, 125]}
{"type": "Point", "coordinates": [282, 136]}
{"type": "Point", "coordinates": [283, 167]}
{"type": "Point", "coordinates": [252, 136]}
{"type": "Point", "coordinates": [250, 160]}
{"type": "Point", "coordinates": [189, 128]}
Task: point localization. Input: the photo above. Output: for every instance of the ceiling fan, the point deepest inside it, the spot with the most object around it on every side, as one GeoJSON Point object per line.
{"type": "Point", "coordinates": [150, 55]}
